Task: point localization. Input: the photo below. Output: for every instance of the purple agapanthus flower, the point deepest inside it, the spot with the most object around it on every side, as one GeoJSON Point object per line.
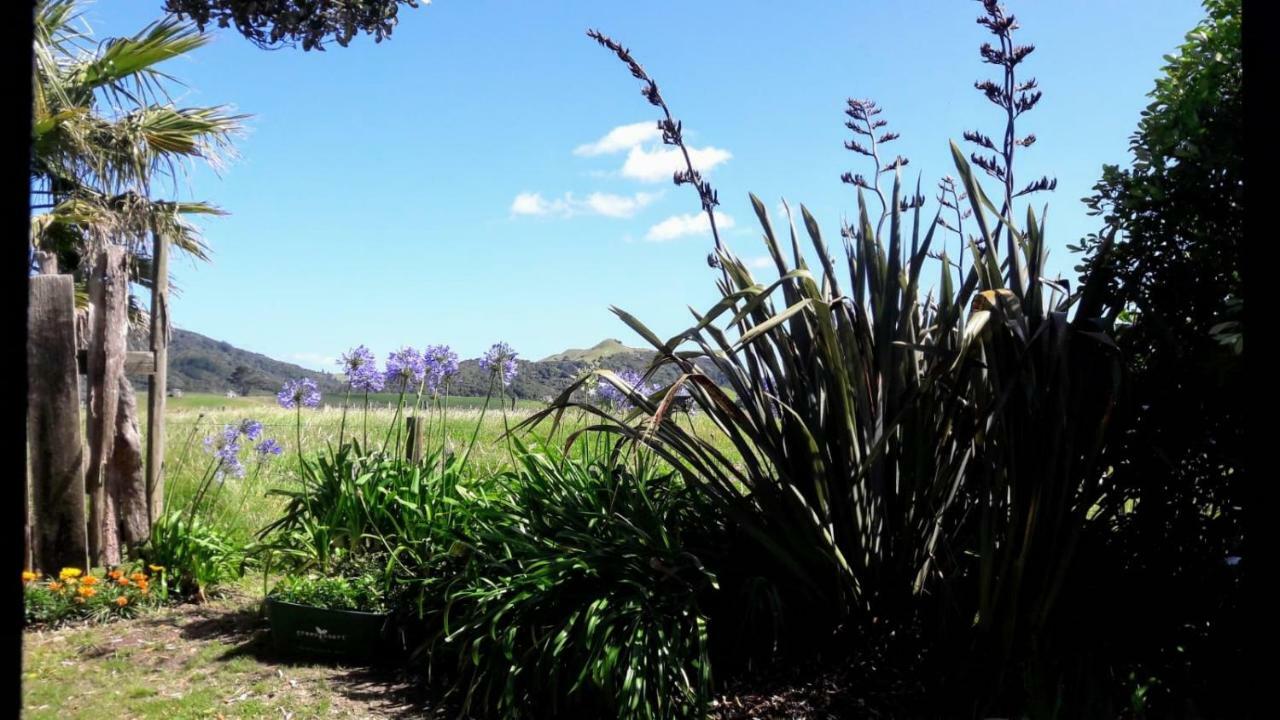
{"type": "Point", "coordinates": [361, 369]}
{"type": "Point", "coordinates": [297, 393]}
{"type": "Point", "coordinates": [500, 359]}
{"type": "Point", "coordinates": [251, 429]}
{"type": "Point", "coordinates": [406, 366]}
{"type": "Point", "coordinates": [442, 362]}
{"type": "Point", "coordinates": [225, 447]}
{"type": "Point", "coordinates": [267, 448]}
{"type": "Point", "coordinates": [616, 397]}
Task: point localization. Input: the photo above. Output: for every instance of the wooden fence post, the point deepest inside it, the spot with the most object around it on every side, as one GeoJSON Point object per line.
{"type": "Point", "coordinates": [156, 383]}
{"type": "Point", "coordinates": [108, 295]}
{"type": "Point", "coordinates": [53, 426]}
{"type": "Point", "coordinates": [413, 445]}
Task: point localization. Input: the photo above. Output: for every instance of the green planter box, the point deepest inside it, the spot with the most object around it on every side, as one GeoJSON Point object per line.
{"type": "Point", "coordinates": [336, 634]}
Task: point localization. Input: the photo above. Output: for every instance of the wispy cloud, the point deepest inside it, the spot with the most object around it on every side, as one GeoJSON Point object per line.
{"type": "Point", "coordinates": [678, 226]}
{"type": "Point", "coordinates": [658, 164]}
{"type": "Point", "coordinates": [597, 203]}
{"type": "Point", "coordinates": [620, 138]}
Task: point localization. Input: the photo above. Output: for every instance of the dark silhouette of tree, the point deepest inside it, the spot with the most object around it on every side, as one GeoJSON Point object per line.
{"type": "Point", "coordinates": [245, 379]}
{"type": "Point", "coordinates": [277, 23]}
{"type": "Point", "coordinates": [1177, 278]}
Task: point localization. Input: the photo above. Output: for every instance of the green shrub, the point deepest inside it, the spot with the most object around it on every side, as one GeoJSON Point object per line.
{"type": "Point", "coordinates": [197, 555]}
{"type": "Point", "coordinates": [573, 593]}
{"type": "Point", "coordinates": [365, 593]}
{"type": "Point", "coordinates": [352, 503]}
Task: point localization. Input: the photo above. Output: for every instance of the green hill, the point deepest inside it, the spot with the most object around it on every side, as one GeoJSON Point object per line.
{"type": "Point", "coordinates": [200, 364]}
{"type": "Point", "coordinates": [604, 349]}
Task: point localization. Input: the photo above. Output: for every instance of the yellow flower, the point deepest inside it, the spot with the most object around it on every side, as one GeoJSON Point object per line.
{"type": "Point", "coordinates": [28, 576]}
{"type": "Point", "coordinates": [122, 601]}
{"type": "Point", "coordinates": [156, 568]}
{"type": "Point", "coordinates": [68, 573]}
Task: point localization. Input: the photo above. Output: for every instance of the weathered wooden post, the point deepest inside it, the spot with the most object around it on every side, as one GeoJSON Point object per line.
{"type": "Point", "coordinates": [118, 515]}
{"type": "Point", "coordinates": [156, 383]}
{"type": "Point", "coordinates": [413, 446]}
{"type": "Point", "coordinates": [108, 297]}
{"type": "Point", "coordinates": [53, 426]}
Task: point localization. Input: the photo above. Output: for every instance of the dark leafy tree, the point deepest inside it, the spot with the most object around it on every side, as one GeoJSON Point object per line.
{"type": "Point", "coordinates": [245, 379]}
{"type": "Point", "coordinates": [1177, 215]}
{"type": "Point", "coordinates": [277, 23]}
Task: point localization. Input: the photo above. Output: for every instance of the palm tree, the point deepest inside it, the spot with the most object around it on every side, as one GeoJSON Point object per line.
{"type": "Point", "coordinates": [104, 131]}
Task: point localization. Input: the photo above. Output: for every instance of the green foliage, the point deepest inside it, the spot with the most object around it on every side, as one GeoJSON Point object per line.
{"type": "Point", "coordinates": [196, 554]}
{"type": "Point", "coordinates": [105, 134]}
{"type": "Point", "coordinates": [351, 502]}
{"type": "Point", "coordinates": [574, 594]}
{"type": "Point", "coordinates": [365, 593]}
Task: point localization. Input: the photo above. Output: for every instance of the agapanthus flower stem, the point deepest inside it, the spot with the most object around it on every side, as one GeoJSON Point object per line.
{"type": "Point", "coordinates": [492, 378]}
{"type": "Point", "coordinates": [342, 426]}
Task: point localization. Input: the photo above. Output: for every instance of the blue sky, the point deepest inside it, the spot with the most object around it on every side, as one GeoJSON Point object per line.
{"type": "Point", "coordinates": [471, 179]}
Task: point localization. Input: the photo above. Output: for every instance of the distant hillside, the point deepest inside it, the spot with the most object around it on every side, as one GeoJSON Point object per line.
{"type": "Point", "coordinates": [202, 364]}
{"type": "Point", "coordinates": [599, 351]}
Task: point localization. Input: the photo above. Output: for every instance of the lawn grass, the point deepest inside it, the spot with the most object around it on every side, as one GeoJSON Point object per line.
{"type": "Point", "coordinates": [195, 661]}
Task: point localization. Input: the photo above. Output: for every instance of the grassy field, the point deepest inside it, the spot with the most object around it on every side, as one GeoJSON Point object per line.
{"type": "Point", "coordinates": [242, 506]}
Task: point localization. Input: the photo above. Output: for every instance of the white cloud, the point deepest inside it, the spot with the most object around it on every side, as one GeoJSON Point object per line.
{"type": "Point", "coordinates": [531, 204]}
{"type": "Point", "coordinates": [678, 226]}
{"type": "Point", "coordinates": [660, 163]}
{"type": "Point", "coordinates": [597, 203]}
{"type": "Point", "coordinates": [621, 138]}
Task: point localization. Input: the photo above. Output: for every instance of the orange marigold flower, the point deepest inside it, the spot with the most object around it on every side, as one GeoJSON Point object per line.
{"type": "Point", "coordinates": [86, 591]}
{"type": "Point", "coordinates": [89, 580]}
{"type": "Point", "coordinates": [115, 574]}
{"type": "Point", "coordinates": [122, 601]}
{"type": "Point", "coordinates": [122, 582]}
{"type": "Point", "coordinates": [28, 576]}
{"type": "Point", "coordinates": [55, 586]}
{"type": "Point", "coordinates": [137, 577]}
